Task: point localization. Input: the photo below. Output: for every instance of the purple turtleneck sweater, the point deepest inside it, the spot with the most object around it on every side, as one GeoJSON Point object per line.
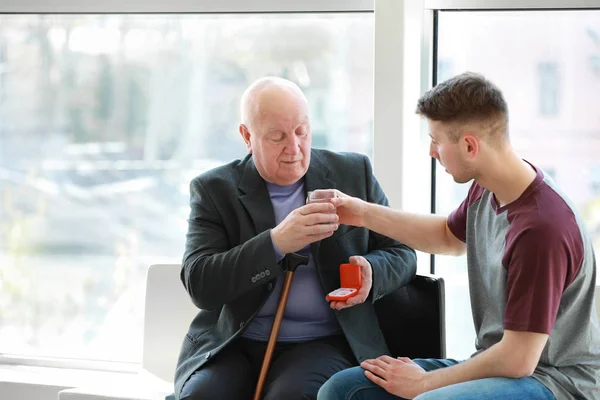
{"type": "Point", "coordinates": [307, 314]}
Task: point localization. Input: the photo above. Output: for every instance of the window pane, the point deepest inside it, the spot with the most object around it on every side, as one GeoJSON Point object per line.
{"type": "Point", "coordinates": [104, 119]}
{"type": "Point", "coordinates": [546, 64]}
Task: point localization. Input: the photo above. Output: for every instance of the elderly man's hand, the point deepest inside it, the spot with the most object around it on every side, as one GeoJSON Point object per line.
{"type": "Point", "coordinates": [366, 272]}
{"type": "Point", "coordinates": [307, 224]}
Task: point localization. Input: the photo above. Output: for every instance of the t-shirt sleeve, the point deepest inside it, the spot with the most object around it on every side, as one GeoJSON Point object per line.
{"type": "Point", "coordinates": [537, 269]}
{"type": "Point", "coordinates": [457, 220]}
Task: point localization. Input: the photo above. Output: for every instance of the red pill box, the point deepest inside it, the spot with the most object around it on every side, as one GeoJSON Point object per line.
{"type": "Point", "coordinates": [350, 280]}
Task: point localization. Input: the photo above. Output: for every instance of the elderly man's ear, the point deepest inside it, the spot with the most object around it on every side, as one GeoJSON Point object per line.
{"type": "Point", "coordinates": [246, 136]}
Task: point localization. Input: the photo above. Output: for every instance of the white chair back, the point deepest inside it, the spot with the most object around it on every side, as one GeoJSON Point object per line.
{"type": "Point", "coordinates": [167, 316]}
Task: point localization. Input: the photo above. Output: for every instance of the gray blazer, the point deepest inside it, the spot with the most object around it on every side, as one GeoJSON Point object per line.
{"type": "Point", "coordinates": [229, 247]}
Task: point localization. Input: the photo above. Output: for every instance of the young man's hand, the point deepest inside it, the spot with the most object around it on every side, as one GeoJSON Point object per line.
{"type": "Point", "coordinates": [351, 210]}
{"type": "Point", "coordinates": [398, 376]}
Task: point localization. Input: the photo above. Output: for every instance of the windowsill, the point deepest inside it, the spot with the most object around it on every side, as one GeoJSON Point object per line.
{"type": "Point", "coordinates": [26, 382]}
{"type": "Point", "coordinates": [44, 383]}
{"type": "Point", "coordinates": [63, 377]}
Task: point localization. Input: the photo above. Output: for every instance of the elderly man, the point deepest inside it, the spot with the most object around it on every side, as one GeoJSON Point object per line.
{"type": "Point", "coordinates": [245, 216]}
{"type": "Point", "coordinates": [531, 266]}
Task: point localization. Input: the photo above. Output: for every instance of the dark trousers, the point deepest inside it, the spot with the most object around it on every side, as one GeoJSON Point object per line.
{"type": "Point", "coordinates": [297, 370]}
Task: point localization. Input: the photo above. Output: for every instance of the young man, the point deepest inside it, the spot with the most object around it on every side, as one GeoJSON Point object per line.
{"type": "Point", "coordinates": [531, 265]}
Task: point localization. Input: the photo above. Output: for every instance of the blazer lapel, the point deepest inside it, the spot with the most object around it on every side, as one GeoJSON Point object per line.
{"type": "Point", "coordinates": [257, 202]}
{"type": "Point", "coordinates": [255, 198]}
{"type": "Point", "coordinates": [316, 178]}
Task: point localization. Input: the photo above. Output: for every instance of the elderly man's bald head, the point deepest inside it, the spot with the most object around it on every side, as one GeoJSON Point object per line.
{"type": "Point", "coordinates": [266, 94]}
{"type": "Point", "coordinates": [276, 129]}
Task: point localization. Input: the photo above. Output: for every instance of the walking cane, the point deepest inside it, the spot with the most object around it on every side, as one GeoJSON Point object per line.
{"type": "Point", "coordinates": [291, 261]}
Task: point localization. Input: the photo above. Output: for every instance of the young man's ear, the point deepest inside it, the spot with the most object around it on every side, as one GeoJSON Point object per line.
{"type": "Point", "coordinates": [471, 144]}
{"type": "Point", "coordinates": [246, 136]}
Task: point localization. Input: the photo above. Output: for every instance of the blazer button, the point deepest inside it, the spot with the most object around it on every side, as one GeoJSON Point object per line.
{"type": "Point", "coordinates": [267, 272]}
{"type": "Point", "coordinates": [207, 356]}
{"type": "Point", "coordinates": [253, 279]}
{"type": "Point", "coordinates": [270, 286]}
{"type": "Point", "coordinates": [262, 274]}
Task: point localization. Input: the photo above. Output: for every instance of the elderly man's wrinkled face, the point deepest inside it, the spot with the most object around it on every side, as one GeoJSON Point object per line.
{"type": "Point", "coordinates": [280, 138]}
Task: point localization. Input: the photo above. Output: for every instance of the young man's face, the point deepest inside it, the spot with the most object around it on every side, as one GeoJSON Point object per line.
{"type": "Point", "coordinates": [450, 154]}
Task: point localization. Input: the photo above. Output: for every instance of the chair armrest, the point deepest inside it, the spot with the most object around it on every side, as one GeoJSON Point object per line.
{"type": "Point", "coordinates": [412, 318]}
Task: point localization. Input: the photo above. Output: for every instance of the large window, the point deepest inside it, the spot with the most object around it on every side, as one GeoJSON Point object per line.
{"type": "Point", "coordinates": [546, 64]}
{"type": "Point", "coordinates": [104, 119]}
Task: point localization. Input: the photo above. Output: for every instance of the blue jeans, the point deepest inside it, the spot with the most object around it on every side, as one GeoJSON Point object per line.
{"type": "Point", "coordinates": [352, 384]}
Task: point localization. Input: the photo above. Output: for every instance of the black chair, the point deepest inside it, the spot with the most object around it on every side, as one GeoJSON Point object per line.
{"type": "Point", "coordinates": [412, 318]}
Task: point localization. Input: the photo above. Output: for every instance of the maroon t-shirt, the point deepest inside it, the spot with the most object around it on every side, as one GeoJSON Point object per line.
{"type": "Point", "coordinates": [541, 248]}
{"type": "Point", "coordinates": [532, 268]}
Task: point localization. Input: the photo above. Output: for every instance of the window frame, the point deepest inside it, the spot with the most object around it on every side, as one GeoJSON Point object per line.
{"type": "Point", "coordinates": [403, 22]}
{"type": "Point", "coordinates": [482, 6]}
{"type": "Point", "coordinates": [159, 7]}
{"type": "Point", "coordinates": [183, 6]}
{"type": "Point", "coordinates": [505, 5]}
{"type": "Point", "coordinates": [403, 60]}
